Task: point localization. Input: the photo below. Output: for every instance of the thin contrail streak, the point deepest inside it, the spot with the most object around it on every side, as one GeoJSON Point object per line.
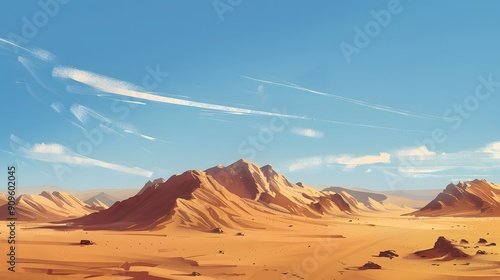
{"type": "Point", "coordinates": [38, 53]}
{"type": "Point", "coordinates": [350, 100]}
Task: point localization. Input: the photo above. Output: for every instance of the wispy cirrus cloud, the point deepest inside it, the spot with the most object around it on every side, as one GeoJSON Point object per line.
{"type": "Point", "coordinates": [97, 83]}
{"type": "Point", "coordinates": [352, 162]}
{"type": "Point", "coordinates": [347, 161]}
{"type": "Point", "coordinates": [118, 87]}
{"type": "Point", "coordinates": [36, 52]}
{"type": "Point", "coordinates": [416, 151]}
{"type": "Point", "coordinates": [57, 106]}
{"type": "Point", "coordinates": [305, 163]}
{"type": "Point", "coordinates": [56, 153]}
{"type": "Point", "coordinates": [122, 88]}
{"type": "Point", "coordinates": [349, 100]}
{"type": "Point", "coordinates": [307, 132]}
{"type": "Point", "coordinates": [85, 115]}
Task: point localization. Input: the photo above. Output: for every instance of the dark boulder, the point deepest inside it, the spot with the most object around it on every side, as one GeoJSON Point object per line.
{"type": "Point", "coordinates": [370, 265]}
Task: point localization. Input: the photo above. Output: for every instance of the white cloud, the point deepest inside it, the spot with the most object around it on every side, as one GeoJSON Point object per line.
{"type": "Point", "coordinates": [493, 149]}
{"type": "Point", "coordinates": [352, 162]}
{"type": "Point", "coordinates": [305, 163]}
{"type": "Point", "coordinates": [348, 161]}
{"type": "Point", "coordinates": [369, 170]}
{"type": "Point", "coordinates": [495, 146]}
{"type": "Point", "coordinates": [420, 162]}
{"type": "Point", "coordinates": [57, 153]}
{"type": "Point", "coordinates": [417, 151]}
{"type": "Point", "coordinates": [307, 132]}
{"type": "Point", "coordinates": [48, 149]}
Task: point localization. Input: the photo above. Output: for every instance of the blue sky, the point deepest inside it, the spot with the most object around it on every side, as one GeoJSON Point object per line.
{"type": "Point", "coordinates": [374, 94]}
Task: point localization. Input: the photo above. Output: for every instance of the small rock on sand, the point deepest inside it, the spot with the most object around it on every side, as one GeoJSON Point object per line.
{"type": "Point", "coordinates": [370, 265]}
{"type": "Point", "coordinates": [217, 230]}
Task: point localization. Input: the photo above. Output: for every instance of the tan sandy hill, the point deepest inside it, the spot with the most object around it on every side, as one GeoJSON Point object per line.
{"type": "Point", "coordinates": [477, 198]}
{"type": "Point", "coordinates": [39, 189]}
{"type": "Point", "coordinates": [48, 206]}
{"type": "Point", "coordinates": [102, 200]}
{"type": "Point", "coordinates": [106, 196]}
{"type": "Point", "coordinates": [3, 199]}
{"type": "Point", "coordinates": [227, 197]}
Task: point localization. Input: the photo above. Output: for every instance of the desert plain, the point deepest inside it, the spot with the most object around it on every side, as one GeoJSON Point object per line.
{"type": "Point", "coordinates": [288, 248]}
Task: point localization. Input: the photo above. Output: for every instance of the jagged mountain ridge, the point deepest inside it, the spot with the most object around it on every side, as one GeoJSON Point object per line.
{"type": "Point", "coordinates": [219, 196]}
{"type": "Point", "coordinates": [478, 198]}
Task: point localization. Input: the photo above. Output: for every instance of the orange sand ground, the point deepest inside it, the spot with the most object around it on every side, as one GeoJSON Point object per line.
{"type": "Point", "coordinates": [313, 246]}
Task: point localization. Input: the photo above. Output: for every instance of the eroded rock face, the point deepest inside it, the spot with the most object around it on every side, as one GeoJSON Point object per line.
{"type": "Point", "coordinates": [443, 248]}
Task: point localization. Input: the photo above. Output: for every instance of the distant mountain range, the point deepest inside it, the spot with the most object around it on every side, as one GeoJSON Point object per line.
{"type": "Point", "coordinates": [409, 198]}
{"type": "Point", "coordinates": [48, 206]}
{"type": "Point", "coordinates": [234, 195]}
{"type": "Point", "coordinates": [84, 195]}
{"type": "Point", "coordinates": [361, 196]}
{"type": "Point", "coordinates": [224, 197]}
{"type": "Point", "coordinates": [102, 199]}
